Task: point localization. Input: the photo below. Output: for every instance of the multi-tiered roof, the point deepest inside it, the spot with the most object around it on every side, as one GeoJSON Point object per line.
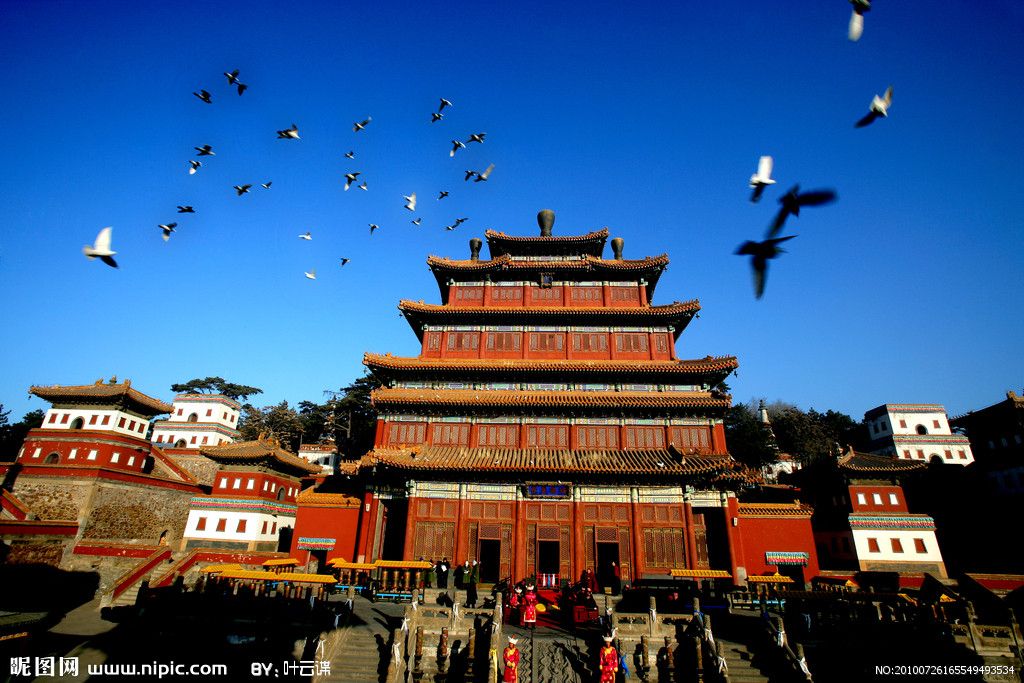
{"type": "Point", "coordinates": [549, 334]}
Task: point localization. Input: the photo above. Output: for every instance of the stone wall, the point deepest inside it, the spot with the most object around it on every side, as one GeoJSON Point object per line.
{"type": "Point", "coordinates": [53, 499]}
{"type": "Point", "coordinates": [32, 552]}
{"type": "Point", "coordinates": [126, 512]}
{"type": "Point", "coordinates": [199, 466]}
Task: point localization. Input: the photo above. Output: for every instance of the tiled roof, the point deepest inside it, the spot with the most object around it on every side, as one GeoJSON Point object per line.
{"type": "Point", "coordinates": [675, 308]}
{"type": "Point", "coordinates": [313, 497]}
{"type": "Point", "coordinates": [608, 399]}
{"type": "Point", "coordinates": [544, 461]}
{"type": "Point", "coordinates": [102, 392]}
{"type": "Point", "coordinates": [866, 462]}
{"type": "Point", "coordinates": [261, 450]}
{"type": "Point", "coordinates": [588, 262]}
{"type": "Point", "coordinates": [590, 236]}
{"type": "Point", "coordinates": [710, 364]}
{"type": "Point", "coordinates": [904, 408]}
{"type": "Point", "coordinates": [775, 510]}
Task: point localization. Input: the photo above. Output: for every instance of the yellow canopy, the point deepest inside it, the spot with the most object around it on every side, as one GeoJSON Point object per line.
{"type": "Point", "coordinates": [403, 564]}
{"type": "Point", "coordinates": [352, 565]}
{"type": "Point", "coordinates": [297, 577]}
{"type": "Point", "coordinates": [772, 578]}
{"type": "Point", "coordinates": [700, 573]}
{"type": "Point", "coordinates": [335, 560]}
{"type": "Point", "coordinates": [214, 568]}
{"type": "Point", "coordinates": [249, 574]}
{"type": "Point", "coordinates": [279, 562]}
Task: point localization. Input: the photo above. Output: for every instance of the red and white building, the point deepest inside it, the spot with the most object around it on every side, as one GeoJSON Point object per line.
{"type": "Point", "coordinates": [916, 431]}
{"type": "Point", "coordinates": [198, 420]}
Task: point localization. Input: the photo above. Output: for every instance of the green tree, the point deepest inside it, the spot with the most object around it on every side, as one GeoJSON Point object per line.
{"type": "Point", "coordinates": [280, 421]}
{"type": "Point", "coordinates": [216, 385]}
{"type": "Point", "coordinates": [12, 436]}
{"type": "Point", "coordinates": [747, 439]}
{"type": "Point", "coordinates": [802, 435]}
{"type": "Point", "coordinates": [351, 416]}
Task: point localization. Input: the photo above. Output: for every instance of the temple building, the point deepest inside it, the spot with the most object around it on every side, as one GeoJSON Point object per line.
{"type": "Point", "coordinates": [89, 474]}
{"type": "Point", "coordinates": [199, 420]}
{"type": "Point", "coordinates": [547, 426]}
{"type": "Point", "coordinates": [252, 502]}
{"type": "Point", "coordinates": [916, 432]}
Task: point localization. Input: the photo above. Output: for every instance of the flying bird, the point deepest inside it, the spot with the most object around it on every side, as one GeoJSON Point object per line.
{"type": "Point", "coordinates": [443, 195]}
{"type": "Point", "coordinates": [857, 18]}
{"type": "Point", "coordinates": [460, 221]}
{"type": "Point", "coordinates": [476, 138]}
{"type": "Point", "coordinates": [762, 178]}
{"type": "Point", "coordinates": [363, 186]}
{"type": "Point", "coordinates": [186, 209]}
{"type": "Point", "coordinates": [792, 202]}
{"type": "Point", "coordinates": [449, 227]}
{"type": "Point", "coordinates": [359, 126]}
{"type": "Point", "coordinates": [311, 274]}
{"type": "Point", "coordinates": [204, 96]}
{"type": "Point", "coordinates": [470, 174]}
{"type": "Point", "coordinates": [351, 154]}
{"type": "Point", "coordinates": [483, 176]}
{"type": "Point", "coordinates": [307, 236]}
{"type": "Point", "coordinates": [168, 229]}
{"type": "Point", "coordinates": [195, 165]}
{"type": "Point", "coordinates": [242, 87]}
{"type": "Point", "coordinates": [101, 248]}
{"type": "Point", "coordinates": [761, 252]}
{"type": "Point", "coordinates": [292, 132]}
{"type": "Point", "coordinates": [243, 189]}
{"type": "Point", "coordinates": [436, 117]}
{"type": "Point", "coordinates": [232, 77]}
{"type": "Point", "coordinates": [417, 221]}
{"type": "Point", "coordinates": [373, 226]}
{"type": "Point", "coordinates": [444, 103]}
{"type": "Point", "coordinates": [350, 178]}
{"type": "Point", "coordinates": [456, 146]}
{"type": "Point", "coordinates": [879, 107]}
{"type": "Point", "coordinates": [344, 261]}
{"type": "Point", "coordinates": [411, 199]}
{"type": "Point", "coordinates": [267, 184]}
{"type": "Point", "coordinates": [204, 151]}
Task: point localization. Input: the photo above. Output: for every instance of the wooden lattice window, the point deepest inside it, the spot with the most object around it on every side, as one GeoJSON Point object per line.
{"type": "Point", "coordinates": [499, 435]}
{"type": "Point", "coordinates": [463, 341]}
{"type": "Point", "coordinates": [631, 343]}
{"type": "Point", "coordinates": [586, 294]}
{"type": "Point", "coordinates": [409, 433]}
{"type": "Point", "coordinates": [600, 437]}
{"type": "Point", "coordinates": [507, 293]}
{"type": "Point", "coordinates": [664, 548]}
{"type": "Point", "coordinates": [503, 341]}
{"type": "Point", "coordinates": [434, 540]}
{"type": "Point", "coordinates": [546, 341]}
{"type": "Point", "coordinates": [625, 294]}
{"type": "Point", "coordinates": [451, 434]}
{"type": "Point", "coordinates": [649, 438]}
{"type": "Point", "coordinates": [686, 438]}
{"type": "Point", "coordinates": [547, 436]}
{"type": "Point", "coordinates": [589, 342]}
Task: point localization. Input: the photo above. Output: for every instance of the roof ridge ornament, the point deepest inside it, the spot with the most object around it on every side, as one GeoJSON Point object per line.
{"type": "Point", "coordinates": [546, 220]}
{"type": "Point", "coordinates": [617, 244]}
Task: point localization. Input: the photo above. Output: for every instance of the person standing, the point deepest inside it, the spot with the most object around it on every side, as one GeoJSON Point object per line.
{"type": "Point", "coordinates": [530, 607]}
{"type": "Point", "coordinates": [511, 656]}
{"type": "Point", "coordinates": [474, 578]}
{"type": "Point", "coordinates": [616, 579]}
{"type": "Point", "coordinates": [442, 574]}
{"type": "Point", "coordinates": [609, 661]}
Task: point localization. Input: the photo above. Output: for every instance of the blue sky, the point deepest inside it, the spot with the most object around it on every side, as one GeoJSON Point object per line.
{"type": "Point", "coordinates": [646, 118]}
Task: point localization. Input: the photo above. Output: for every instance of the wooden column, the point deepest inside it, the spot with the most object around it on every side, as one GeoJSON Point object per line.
{"type": "Point", "coordinates": [461, 530]}
{"type": "Point", "coordinates": [718, 438]}
{"type": "Point", "coordinates": [732, 511]}
{"type": "Point", "coordinates": [691, 536]}
{"type": "Point", "coordinates": [363, 539]}
{"type": "Point", "coordinates": [606, 294]}
{"type": "Point", "coordinates": [638, 539]}
{"type": "Point", "coordinates": [579, 552]}
{"type": "Point", "coordinates": [643, 293]}
{"type": "Point", "coordinates": [410, 529]}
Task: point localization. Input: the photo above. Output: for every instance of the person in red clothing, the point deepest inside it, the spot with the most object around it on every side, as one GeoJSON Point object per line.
{"type": "Point", "coordinates": [616, 579]}
{"type": "Point", "coordinates": [511, 656]}
{"type": "Point", "coordinates": [609, 661]}
{"type": "Point", "coordinates": [530, 607]}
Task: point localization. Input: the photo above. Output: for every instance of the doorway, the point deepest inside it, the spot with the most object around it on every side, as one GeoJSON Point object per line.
{"type": "Point", "coordinates": [489, 557]}
{"type": "Point", "coordinates": [547, 557]}
{"type": "Point", "coordinates": [607, 554]}
{"type": "Point", "coordinates": [793, 571]}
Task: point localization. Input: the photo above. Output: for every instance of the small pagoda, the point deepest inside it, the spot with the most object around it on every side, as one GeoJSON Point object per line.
{"type": "Point", "coordinates": [547, 425]}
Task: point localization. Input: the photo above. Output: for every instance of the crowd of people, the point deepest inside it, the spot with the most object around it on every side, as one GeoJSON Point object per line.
{"type": "Point", "coordinates": [463, 577]}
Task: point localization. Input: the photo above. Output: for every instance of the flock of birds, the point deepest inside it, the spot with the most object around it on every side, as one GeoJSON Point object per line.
{"type": "Point", "coordinates": [101, 247]}
{"type": "Point", "coordinates": [792, 201]}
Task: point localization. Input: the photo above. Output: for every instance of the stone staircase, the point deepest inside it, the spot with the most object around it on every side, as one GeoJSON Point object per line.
{"type": "Point", "coordinates": [740, 660]}
{"type": "Point", "coordinates": [363, 651]}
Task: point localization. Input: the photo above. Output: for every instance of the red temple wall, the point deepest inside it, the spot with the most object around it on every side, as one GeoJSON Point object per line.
{"type": "Point", "coordinates": [884, 504]}
{"type": "Point", "coordinates": [760, 535]}
{"type": "Point", "coordinates": [338, 523]}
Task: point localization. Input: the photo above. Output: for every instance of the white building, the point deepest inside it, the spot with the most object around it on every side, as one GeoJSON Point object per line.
{"type": "Point", "coordinates": [199, 420]}
{"type": "Point", "coordinates": [912, 431]}
{"type": "Point", "coordinates": [323, 454]}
